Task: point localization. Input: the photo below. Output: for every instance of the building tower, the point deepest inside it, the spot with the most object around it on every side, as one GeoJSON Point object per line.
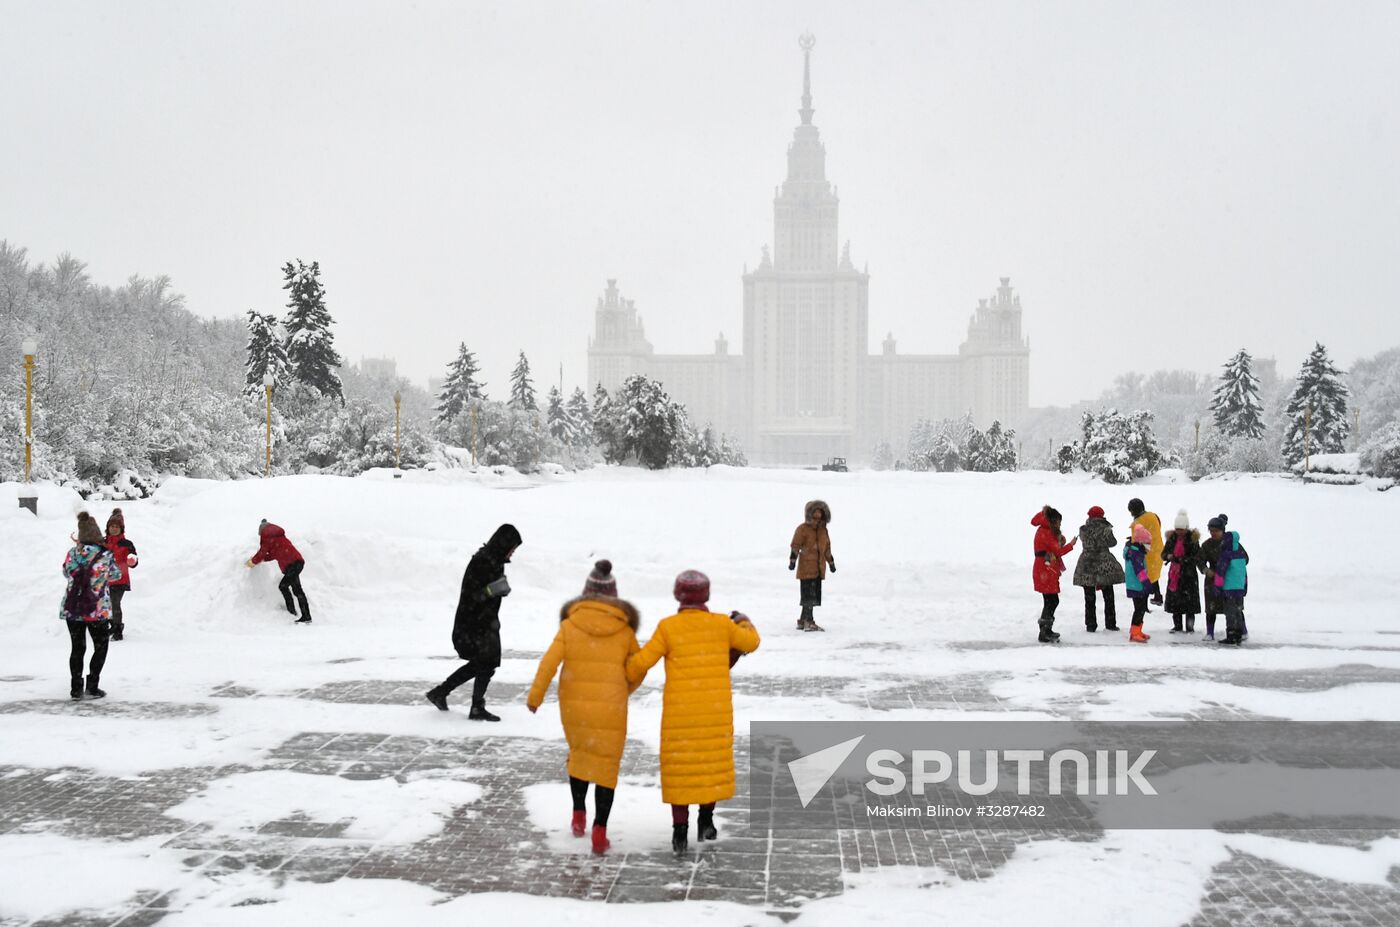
{"type": "Point", "coordinates": [619, 346]}
{"type": "Point", "coordinates": [996, 360]}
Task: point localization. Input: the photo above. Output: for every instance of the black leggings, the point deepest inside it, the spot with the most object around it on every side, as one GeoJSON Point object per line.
{"type": "Point", "coordinates": [1139, 609]}
{"type": "Point", "coordinates": [1047, 611]}
{"type": "Point", "coordinates": [291, 585]}
{"type": "Point", "coordinates": [117, 593]}
{"type": "Point", "coordinates": [602, 798]}
{"type": "Point", "coordinates": [77, 633]}
{"type": "Point", "coordinates": [680, 814]}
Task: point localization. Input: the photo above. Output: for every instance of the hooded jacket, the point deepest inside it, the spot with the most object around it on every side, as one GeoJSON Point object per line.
{"type": "Point", "coordinates": [596, 636]}
{"type": "Point", "coordinates": [103, 570]}
{"type": "Point", "coordinates": [1153, 524]}
{"type": "Point", "coordinates": [120, 548]}
{"type": "Point", "coordinates": [476, 627]}
{"type": "Point", "coordinates": [275, 546]}
{"type": "Point", "coordinates": [1049, 555]}
{"type": "Point", "coordinates": [811, 546]}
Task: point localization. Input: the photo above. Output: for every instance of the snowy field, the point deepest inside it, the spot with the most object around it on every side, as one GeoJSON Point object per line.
{"type": "Point", "coordinates": [933, 584]}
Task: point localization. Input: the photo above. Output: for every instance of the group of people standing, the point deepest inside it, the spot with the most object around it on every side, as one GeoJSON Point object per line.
{"type": "Point", "coordinates": [1221, 559]}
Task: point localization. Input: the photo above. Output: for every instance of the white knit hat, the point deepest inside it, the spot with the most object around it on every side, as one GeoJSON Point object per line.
{"type": "Point", "coordinates": [1182, 520]}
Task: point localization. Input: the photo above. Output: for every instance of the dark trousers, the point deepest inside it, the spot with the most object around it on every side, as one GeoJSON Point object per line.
{"type": "Point", "coordinates": [474, 671]}
{"type": "Point", "coordinates": [78, 632]}
{"type": "Point", "coordinates": [680, 814]}
{"type": "Point", "coordinates": [291, 586]}
{"type": "Point", "coordinates": [1210, 619]}
{"type": "Point", "coordinates": [1234, 618]}
{"type": "Point", "coordinates": [116, 592]}
{"type": "Point", "coordinates": [1110, 608]}
{"type": "Point", "coordinates": [1139, 609]}
{"type": "Point", "coordinates": [602, 799]}
{"type": "Point", "coordinates": [1047, 610]}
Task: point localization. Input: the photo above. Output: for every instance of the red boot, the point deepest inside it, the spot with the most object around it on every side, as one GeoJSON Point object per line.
{"type": "Point", "coordinates": [579, 823]}
{"type": "Point", "coordinates": [1137, 636]}
{"type": "Point", "coordinates": [600, 839]}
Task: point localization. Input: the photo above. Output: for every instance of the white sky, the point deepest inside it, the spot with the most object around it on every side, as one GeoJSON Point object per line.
{"type": "Point", "coordinates": [1164, 182]}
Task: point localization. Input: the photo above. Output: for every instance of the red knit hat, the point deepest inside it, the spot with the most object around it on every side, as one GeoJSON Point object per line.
{"type": "Point", "coordinates": [601, 580]}
{"type": "Point", "coordinates": [692, 589]}
{"type": "Point", "coordinates": [1096, 512]}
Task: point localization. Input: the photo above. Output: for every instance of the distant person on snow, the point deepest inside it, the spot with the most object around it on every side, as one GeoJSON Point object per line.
{"type": "Point", "coordinates": [124, 559]}
{"type": "Point", "coordinates": [810, 556]}
{"type": "Point", "coordinates": [1098, 569]}
{"type": "Point", "coordinates": [697, 705]}
{"type": "Point", "coordinates": [1050, 550]}
{"type": "Point", "coordinates": [476, 628]}
{"type": "Point", "coordinates": [1210, 555]}
{"type": "Point", "coordinates": [1231, 580]}
{"type": "Point", "coordinates": [87, 605]}
{"type": "Point", "coordinates": [276, 546]}
{"type": "Point", "coordinates": [1154, 547]}
{"type": "Point", "coordinates": [1139, 585]}
{"type": "Point", "coordinates": [1182, 554]}
{"type": "Point", "coordinates": [597, 633]}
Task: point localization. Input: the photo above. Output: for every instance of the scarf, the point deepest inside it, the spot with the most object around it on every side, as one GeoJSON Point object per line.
{"type": "Point", "coordinates": [1174, 574]}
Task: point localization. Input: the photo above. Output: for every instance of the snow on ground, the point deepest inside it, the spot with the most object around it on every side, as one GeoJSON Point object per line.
{"type": "Point", "coordinates": [933, 581]}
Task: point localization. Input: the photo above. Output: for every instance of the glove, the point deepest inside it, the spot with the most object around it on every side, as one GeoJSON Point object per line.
{"type": "Point", "coordinates": [1142, 576]}
{"type": "Point", "coordinates": [499, 587]}
{"type": "Point", "coordinates": [792, 564]}
{"type": "Point", "coordinates": [831, 565]}
{"type": "Point", "coordinates": [533, 708]}
{"type": "Point", "coordinates": [130, 560]}
{"type": "Point", "coordinates": [250, 564]}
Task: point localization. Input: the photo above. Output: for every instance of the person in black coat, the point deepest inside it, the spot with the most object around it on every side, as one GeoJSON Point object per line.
{"type": "Point", "coordinates": [476, 629]}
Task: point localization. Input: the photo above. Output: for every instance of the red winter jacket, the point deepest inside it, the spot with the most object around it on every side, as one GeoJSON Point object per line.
{"type": "Point", "coordinates": [1049, 556]}
{"type": "Point", "coordinates": [275, 546]}
{"type": "Point", "coordinates": [121, 548]}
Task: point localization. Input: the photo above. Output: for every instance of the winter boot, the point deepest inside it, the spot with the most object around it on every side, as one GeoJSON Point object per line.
{"type": "Point", "coordinates": [802, 623]}
{"type": "Point", "coordinates": [813, 626]}
{"type": "Point", "coordinates": [479, 713]}
{"type": "Point", "coordinates": [75, 691]}
{"type": "Point", "coordinates": [304, 619]}
{"type": "Point", "coordinates": [705, 828]}
{"type": "Point", "coordinates": [1137, 636]}
{"type": "Point", "coordinates": [92, 690]}
{"type": "Point", "coordinates": [117, 631]}
{"type": "Point", "coordinates": [1190, 624]}
{"type": "Point", "coordinates": [1176, 624]}
{"type": "Point", "coordinates": [600, 839]}
{"type": "Point", "coordinates": [437, 697]}
{"type": "Point", "coordinates": [680, 838]}
{"type": "Point", "coordinates": [579, 824]}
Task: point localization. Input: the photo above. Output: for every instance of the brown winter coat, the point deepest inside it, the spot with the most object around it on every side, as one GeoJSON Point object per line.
{"type": "Point", "coordinates": [811, 545]}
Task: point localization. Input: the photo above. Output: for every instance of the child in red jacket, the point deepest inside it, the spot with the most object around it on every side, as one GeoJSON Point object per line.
{"type": "Point", "coordinates": [1050, 549]}
{"type": "Point", "coordinates": [275, 546]}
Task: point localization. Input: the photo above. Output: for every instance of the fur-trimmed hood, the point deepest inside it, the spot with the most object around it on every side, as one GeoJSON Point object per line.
{"type": "Point", "coordinates": [815, 505]}
{"type": "Point", "coordinates": [601, 615]}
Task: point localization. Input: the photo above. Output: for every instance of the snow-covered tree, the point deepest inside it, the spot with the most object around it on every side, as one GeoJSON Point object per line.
{"type": "Point", "coordinates": [1316, 413]}
{"type": "Point", "coordinates": [999, 450]}
{"type": "Point", "coordinates": [460, 387]}
{"type": "Point", "coordinates": [1235, 403]}
{"type": "Point", "coordinates": [1380, 455]}
{"type": "Point", "coordinates": [522, 388]}
{"type": "Point", "coordinates": [883, 456]}
{"type": "Point", "coordinates": [266, 354]}
{"type": "Point", "coordinates": [645, 422]}
{"type": "Point", "coordinates": [580, 418]}
{"type": "Point", "coordinates": [1374, 383]}
{"type": "Point", "coordinates": [1119, 448]}
{"type": "Point", "coordinates": [557, 417]}
{"type": "Point", "coordinates": [605, 427]}
{"type": "Point", "coordinates": [310, 346]}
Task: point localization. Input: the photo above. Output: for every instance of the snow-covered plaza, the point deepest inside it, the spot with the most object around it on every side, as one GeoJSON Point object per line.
{"type": "Point", "coordinates": [245, 770]}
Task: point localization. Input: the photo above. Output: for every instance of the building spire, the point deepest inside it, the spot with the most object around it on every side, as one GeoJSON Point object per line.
{"type": "Point", "coordinates": [805, 42]}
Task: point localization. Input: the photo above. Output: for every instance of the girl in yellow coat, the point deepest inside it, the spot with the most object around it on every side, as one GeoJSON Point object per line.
{"type": "Point", "coordinates": [697, 714]}
{"type": "Point", "coordinates": [597, 633]}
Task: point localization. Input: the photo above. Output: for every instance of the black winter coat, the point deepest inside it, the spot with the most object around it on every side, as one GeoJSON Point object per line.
{"type": "Point", "coordinates": [1185, 599]}
{"type": "Point", "coordinates": [476, 628]}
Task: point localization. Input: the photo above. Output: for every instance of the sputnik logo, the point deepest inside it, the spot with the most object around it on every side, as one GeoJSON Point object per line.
{"type": "Point", "coordinates": [812, 772]}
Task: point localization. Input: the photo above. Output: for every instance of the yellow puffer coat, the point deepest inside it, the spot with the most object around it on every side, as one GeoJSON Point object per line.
{"type": "Point", "coordinates": [1155, 546]}
{"type": "Point", "coordinates": [697, 714]}
{"type": "Point", "coordinates": [596, 636]}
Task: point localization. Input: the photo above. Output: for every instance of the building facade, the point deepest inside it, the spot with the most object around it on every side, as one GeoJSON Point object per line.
{"type": "Point", "coordinates": [805, 387]}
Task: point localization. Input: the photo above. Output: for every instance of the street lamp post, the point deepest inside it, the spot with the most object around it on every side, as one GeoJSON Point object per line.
{"type": "Point", "coordinates": [398, 398]}
{"type": "Point", "coordinates": [267, 389]}
{"type": "Point", "coordinates": [27, 497]}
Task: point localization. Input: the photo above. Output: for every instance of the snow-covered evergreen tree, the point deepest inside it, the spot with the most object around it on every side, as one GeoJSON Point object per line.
{"type": "Point", "coordinates": [522, 388]}
{"type": "Point", "coordinates": [1318, 388]}
{"type": "Point", "coordinates": [580, 419]}
{"type": "Point", "coordinates": [883, 456]}
{"type": "Point", "coordinates": [460, 387]}
{"type": "Point", "coordinates": [557, 417]}
{"type": "Point", "coordinates": [310, 346]}
{"type": "Point", "coordinates": [266, 354]}
{"type": "Point", "coordinates": [605, 427]}
{"type": "Point", "coordinates": [1235, 403]}
{"type": "Point", "coordinates": [1119, 448]}
{"type": "Point", "coordinates": [999, 450]}
{"type": "Point", "coordinates": [1380, 455]}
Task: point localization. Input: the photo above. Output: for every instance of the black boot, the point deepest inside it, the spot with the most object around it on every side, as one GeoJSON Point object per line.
{"type": "Point", "coordinates": [117, 630]}
{"type": "Point", "coordinates": [680, 838]}
{"type": "Point", "coordinates": [438, 698]}
{"type": "Point", "coordinates": [1190, 624]}
{"type": "Point", "coordinates": [75, 691]}
{"type": "Point", "coordinates": [1047, 636]}
{"type": "Point", "coordinates": [92, 689]}
{"type": "Point", "coordinates": [304, 619]}
{"type": "Point", "coordinates": [705, 827]}
{"type": "Point", "coordinates": [479, 713]}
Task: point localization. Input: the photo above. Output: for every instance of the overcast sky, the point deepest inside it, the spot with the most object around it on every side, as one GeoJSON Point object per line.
{"type": "Point", "coordinates": [1163, 182]}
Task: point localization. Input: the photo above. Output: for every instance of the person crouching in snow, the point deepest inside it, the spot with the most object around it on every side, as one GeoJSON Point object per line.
{"type": "Point", "coordinates": [275, 545]}
{"type": "Point", "coordinates": [1232, 582]}
{"type": "Point", "coordinates": [124, 558]}
{"type": "Point", "coordinates": [1098, 568]}
{"type": "Point", "coordinates": [597, 633]}
{"type": "Point", "coordinates": [476, 628]}
{"type": "Point", "coordinates": [1182, 554]}
{"type": "Point", "coordinates": [697, 708]}
{"type": "Point", "coordinates": [1139, 586]}
{"type": "Point", "coordinates": [87, 605]}
{"type": "Point", "coordinates": [810, 556]}
{"type": "Point", "coordinates": [1050, 549]}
